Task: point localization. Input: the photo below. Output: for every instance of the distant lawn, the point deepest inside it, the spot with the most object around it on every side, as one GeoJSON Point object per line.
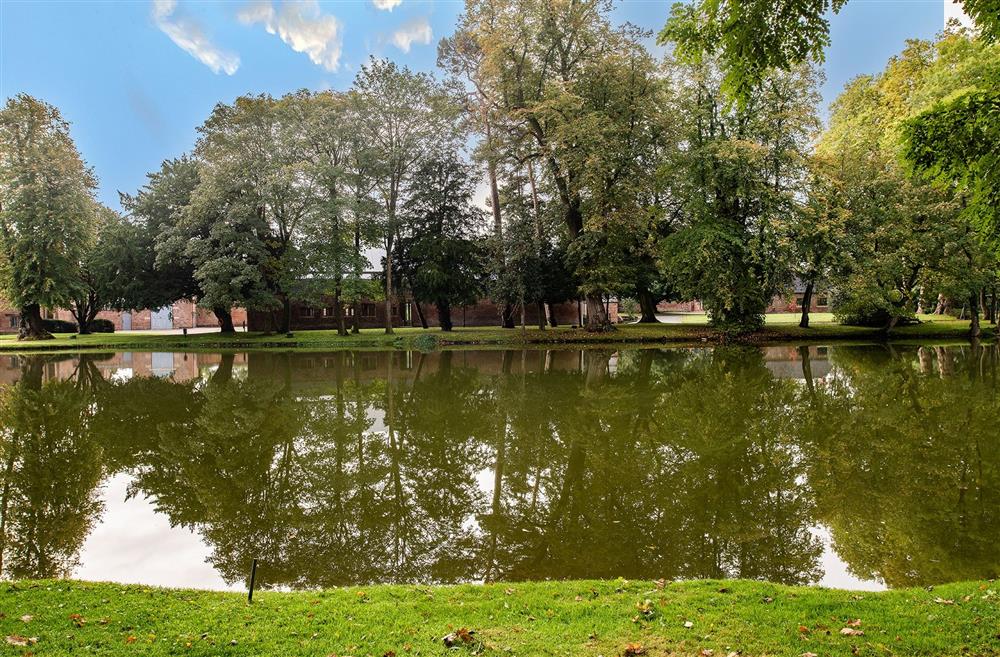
{"type": "Point", "coordinates": [587, 618]}
{"type": "Point", "coordinates": [693, 328]}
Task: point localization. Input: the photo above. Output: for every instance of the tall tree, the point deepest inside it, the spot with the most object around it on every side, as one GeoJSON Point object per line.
{"type": "Point", "coordinates": [261, 198]}
{"type": "Point", "coordinates": [463, 59]}
{"type": "Point", "coordinates": [540, 60]}
{"type": "Point", "coordinates": [111, 271]}
{"type": "Point", "coordinates": [438, 251]}
{"type": "Point", "coordinates": [46, 211]}
{"type": "Point", "coordinates": [401, 115]}
{"type": "Point", "coordinates": [738, 177]}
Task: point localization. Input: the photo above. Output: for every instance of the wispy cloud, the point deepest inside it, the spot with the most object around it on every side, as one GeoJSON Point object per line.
{"type": "Point", "coordinates": [386, 5]}
{"type": "Point", "coordinates": [189, 35]}
{"type": "Point", "coordinates": [417, 30]}
{"type": "Point", "coordinates": [302, 26]}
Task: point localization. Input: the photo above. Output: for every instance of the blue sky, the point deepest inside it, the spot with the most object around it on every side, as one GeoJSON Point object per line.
{"type": "Point", "coordinates": [136, 78]}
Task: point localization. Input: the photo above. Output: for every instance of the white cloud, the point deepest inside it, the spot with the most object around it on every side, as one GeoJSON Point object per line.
{"type": "Point", "coordinates": [189, 35]}
{"type": "Point", "coordinates": [302, 26]}
{"type": "Point", "coordinates": [386, 5]}
{"type": "Point", "coordinates": [413, 31]}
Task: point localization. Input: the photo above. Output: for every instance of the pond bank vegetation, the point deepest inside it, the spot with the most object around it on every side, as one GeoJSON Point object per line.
{"type": "Point", "coordinates": [697, 618]}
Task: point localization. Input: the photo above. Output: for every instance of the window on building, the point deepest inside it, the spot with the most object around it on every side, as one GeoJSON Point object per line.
{"type": "Point", "coordinates": [329, 311]}
{"type": "Point", "coordinates": [823, 300]}
{"type": "Point", "coordinates": [308, 312]}
{"type": "Point", "coordinates": [368, 310]}
{"type": "Point", "coordinates": [799, 298]}
{"type": "Point", "coordinates": [13, 321]}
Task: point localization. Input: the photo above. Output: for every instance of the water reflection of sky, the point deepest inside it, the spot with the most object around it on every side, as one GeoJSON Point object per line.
{"type": "Point", "coordinates": [133, 544]}
{"type": "Point", "coordinates": [739, 463]}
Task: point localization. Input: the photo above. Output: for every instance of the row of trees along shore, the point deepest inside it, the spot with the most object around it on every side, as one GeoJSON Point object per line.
{"type": "Point", "coordinates": [702, 174]}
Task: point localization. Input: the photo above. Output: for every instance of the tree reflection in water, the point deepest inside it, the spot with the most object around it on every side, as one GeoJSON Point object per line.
{"type": "Point", "coordinates": [508, 465]}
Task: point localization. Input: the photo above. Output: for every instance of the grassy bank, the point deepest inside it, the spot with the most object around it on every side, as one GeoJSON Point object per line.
{"type": "Point", "coordinates": [548, 618]}
{"type": "Point", "coordinates": [690, 329]}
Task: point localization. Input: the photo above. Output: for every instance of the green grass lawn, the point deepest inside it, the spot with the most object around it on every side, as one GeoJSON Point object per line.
{"type": "Point", "coordinates": [693, 328]}
{"type": "Point", "coordinates": [718, 618]}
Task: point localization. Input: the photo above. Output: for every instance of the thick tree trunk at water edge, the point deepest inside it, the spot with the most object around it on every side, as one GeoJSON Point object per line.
{"type": "Point", "coordinates": [225, 319]}
{"type": "Point", "coordinates": [974, 329]}
{"type": "Point", "coordinates": [444, 315]}
{"type": "Point", "coordinates": [31, 324]}
{"type": "Point", "coordinates": [807, 299]}
{"type": "Point", "coordinates": [286, 315]}
{"type": "Point", "coordinates": [507, 316]}
{"type": "Point", "coordinates": [597, 314]}
{"type": "Point", "coordinates": [647, 308]}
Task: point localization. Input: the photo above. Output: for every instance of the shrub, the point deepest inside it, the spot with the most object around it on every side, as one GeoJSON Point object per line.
{"type": "Point", "coordinates": [59, 326]}
{"type": "Point", "coordinates": [102, 326]}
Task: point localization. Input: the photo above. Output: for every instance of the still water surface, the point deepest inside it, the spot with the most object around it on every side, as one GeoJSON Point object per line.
{"type": "Point", "coordinates": [859, 467]}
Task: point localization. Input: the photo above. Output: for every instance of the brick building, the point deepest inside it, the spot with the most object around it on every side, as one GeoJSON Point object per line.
{"type": "Point", "coordinates": [181, 314]}
{"type": "Point", "coordinates": [371, 314]}
{"type": "Point", "coordinates": [787, 302]}
{"type": "Point", "coordinates": [184, 313]}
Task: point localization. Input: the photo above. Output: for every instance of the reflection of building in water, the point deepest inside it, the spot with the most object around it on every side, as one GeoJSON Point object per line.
{"type": "Point", "coordinates": [787, 362]}
{"type": "Point", "coordinates": [121, 365]}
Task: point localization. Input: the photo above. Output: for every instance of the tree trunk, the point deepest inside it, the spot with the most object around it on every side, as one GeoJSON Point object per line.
{"type": "Point", "coordinates": [286, 315]}
{"type": "Point", "coordinates": [807, 299]}
{"type": "Point", "coordinates": [225, 319]}
{"type": "Point", "coordinates": [444, 315]}
{"type": "Point", "coordinates": [32, 327]}
{"type": "Point", "coordinates": [388, 291]}
{"type": "Point", "coordinates": [420, 315]}
{"type": "Point", "coordinates": [507, 316]}
{"type": "Point", "coordinates": [338, 311]}
{"type": "Point", "coordinates": [541, 315]}
{"type": "Point", "coordinates": [647, 307]}
{"type": "Point", "coordinates": [553, 322]}
{"type": "Point", "coordinates": [974, 328]}
{"type": "Point", "coordinates": [597, 314]}
{"type": "Point", "coordinates": [79, 313]}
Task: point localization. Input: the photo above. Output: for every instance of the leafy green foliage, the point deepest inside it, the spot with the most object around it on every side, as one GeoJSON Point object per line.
{"type": "Point", "coordinates": [46, 208]}
{"type": "Point", "coordinates": [751, 39]}
{"type": "Point", "coordinates": [438, 253]}
{"type": "Point", "coordinates": [737, 181]}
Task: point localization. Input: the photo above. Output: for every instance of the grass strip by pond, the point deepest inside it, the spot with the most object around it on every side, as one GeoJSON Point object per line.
{"type": "Point", "coordinates": [697, 618]}
{"type": "Point", "coordinates": [429, 339]}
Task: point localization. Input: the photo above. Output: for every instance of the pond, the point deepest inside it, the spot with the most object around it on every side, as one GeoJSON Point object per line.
{"type": "Point", "coordinates": [850, 466]}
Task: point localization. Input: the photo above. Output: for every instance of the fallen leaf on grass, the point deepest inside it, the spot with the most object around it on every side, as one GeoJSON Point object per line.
{"type": "Point", "coordinates": [130, 639]}
{"type": "Point", "coordinates": [78, 620]}
{"type": "Point", "coordinates": [850, 631]}
{"type": "Point", "coordinates": [660, 583]}
{"type": "Point", "coordinates": [808, 654]}
{"type": "Point", "coordinates": [632, 649]}
{"type": "Point", "coordinates": [688, 624]}
{"type": "Point", "coordinates": [18, 640]}
{"type": "Point", "coordinates": [942, 601]}
{"type": "Point", "coordinates": [803, 629]}
{"type": "Point", "coordinates": [706, 652]}
{"type": "Point", "coordinates": [854, 623]}
{"type": "Point", "coordinates": [461, 634]}
{"type": "Point", "coordinates": [26, 618]}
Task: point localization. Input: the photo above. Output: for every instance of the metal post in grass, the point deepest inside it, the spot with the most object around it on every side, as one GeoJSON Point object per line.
{"type": "Point", "coordinates": [253, 579]}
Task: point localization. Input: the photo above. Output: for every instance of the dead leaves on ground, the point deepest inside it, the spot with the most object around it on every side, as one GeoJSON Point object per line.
{"type": "Point", "coordinates": [21, 641]}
